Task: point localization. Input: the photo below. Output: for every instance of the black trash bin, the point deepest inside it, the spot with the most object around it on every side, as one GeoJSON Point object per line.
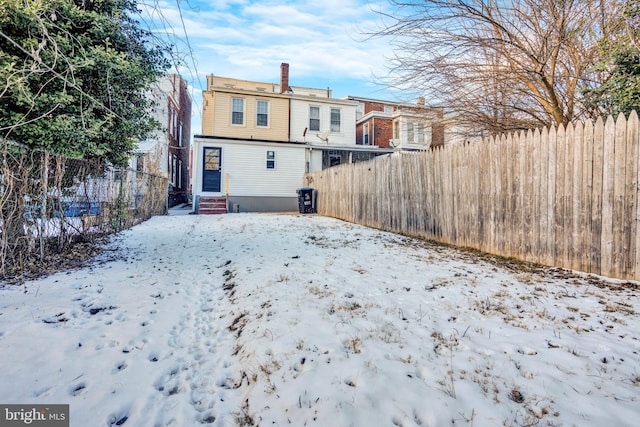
{"type": "Point", "coordinates": [305, 200]}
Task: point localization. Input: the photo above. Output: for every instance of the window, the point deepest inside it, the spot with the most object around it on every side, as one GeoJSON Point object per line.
{"type": "Point", "coordinates": [173, 169]}
{"type": "Point", "coordinates": [180, 135]}
{"type": "Point", "coordinates": [410, 134]}
{"type": "Point", "coordinates": [271, 159]}
{"type": "Point", "coordinates": [262, 115]}
{"type": "Point", "coordinates": [314, 118]}
{"type": "Point", "coordinates": [419, 133]}
{"type": "Point", "coordinates": [396, 130]}
{"type": "Point", "coordinates": [365, 134]}
{"type": "Point", "coordinates": [335, 120]}
{"type": "Point", "coordinates": [237, 111]}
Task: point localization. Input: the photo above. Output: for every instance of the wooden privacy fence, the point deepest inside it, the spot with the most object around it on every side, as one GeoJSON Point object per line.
{"type": "Point", "coordinates": [560, 197]}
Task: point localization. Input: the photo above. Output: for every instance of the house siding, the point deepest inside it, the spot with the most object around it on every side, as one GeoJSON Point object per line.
{"type": "Point", "coordinates": [207, 113]}
{"type": "Point", "coordinates": [244, 171]}
{"type": "Point", "coordinates": [300, 120]}
{"type": "Point", "coordinates": [217, 117]}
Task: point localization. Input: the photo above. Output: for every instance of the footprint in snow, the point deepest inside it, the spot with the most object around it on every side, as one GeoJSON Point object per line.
{"type": "Point", "coordinates": [120, 366]}
{"type": "Point", "coordinates": [207, 418]}
{"type": "Point", "coordinates": [78, 389]}
{"type": "Point", "coordinates": [118, 418]}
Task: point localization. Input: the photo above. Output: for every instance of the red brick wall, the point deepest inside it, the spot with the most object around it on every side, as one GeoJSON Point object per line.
{"type": "Point", "coordinates": [382, 132]}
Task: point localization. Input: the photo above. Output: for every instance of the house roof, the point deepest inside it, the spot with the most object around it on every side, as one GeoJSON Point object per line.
{"type": "Point", "coordinates": [324, 147]}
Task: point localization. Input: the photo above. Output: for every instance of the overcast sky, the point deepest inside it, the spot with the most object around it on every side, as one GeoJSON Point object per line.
{"type": "Point", "coordinates": [323, 41]}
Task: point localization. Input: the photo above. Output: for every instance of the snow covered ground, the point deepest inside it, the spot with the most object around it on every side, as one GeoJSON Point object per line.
{"type": "Point", "coordinates": [277, 320]}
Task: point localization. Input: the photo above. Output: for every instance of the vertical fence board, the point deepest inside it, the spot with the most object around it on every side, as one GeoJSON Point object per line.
{"type": "Point", "coordinates": [449, 195]}
{"type": "Point", "coordinates": [513, 179]}
{"type": "Point", "coordinates": [575, 249]}
{"type": "Point", "coordinates": [587, 196]}
{"type": "Point", "coordinates": [596, 201]}
{"type": "Point", "coordinates": [493, 195]}
{"type": "Point", "coordinates": [549, 256]}
{"type": "Point", "coordinates": [526, 180]}
{"type": "Point", "coordinates": [536, 197]}
{"type": "Point", "coordinates": [481, 161]}
{"type": "Point", "coordinates": [633, 134]}
{"type": "Point", "coordinates": [567, 196]}
{"type": "Point", "coordinates": [608, 159]}
{"type": "Point", "coordinates": [558, 209]}
{"type": "Point", "coordinates": [619, 241]}
{"type": "Point", "coordinates": [503, 207]}
{"type": "Point", "coordinates": [628, 216]}
{"type": "Point", "coordinates": [633, 162]}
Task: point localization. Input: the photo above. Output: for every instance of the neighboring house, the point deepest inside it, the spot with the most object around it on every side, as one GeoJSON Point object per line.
{"type": "Point", "coordinates": [166, 152]}
{"type": "Point", "coordinates": [398, 125]}
{"type": "Point", "coordinates": [258, 139]}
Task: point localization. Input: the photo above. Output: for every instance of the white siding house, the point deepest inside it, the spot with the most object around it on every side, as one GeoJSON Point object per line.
{"type": "Point", "coordinates": [258, 140]}
{"type": "Point", "coordinates": [254, 175]}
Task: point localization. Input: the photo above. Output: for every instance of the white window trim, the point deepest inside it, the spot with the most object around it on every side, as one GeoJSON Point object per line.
{"type": "Point", "coordinates": [331, 119]}
{"type": "Point", "coordinates": [366, 138]}
{"type": "Point", "coordinates": [244, 112]}
{"type": "Point", "coordinates": [319, 118]}
{"type": "Point", "coordinates": [268, 113]}
{"type": "Point", "coordinates": [267, 160]}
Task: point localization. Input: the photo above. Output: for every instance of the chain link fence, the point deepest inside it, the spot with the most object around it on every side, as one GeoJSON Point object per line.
{"type": "Point", "coordinates": [53, 208]}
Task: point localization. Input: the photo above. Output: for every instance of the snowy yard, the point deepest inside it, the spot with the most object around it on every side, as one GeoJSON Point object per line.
{"type": "Point", "coordinates": [278, 320]}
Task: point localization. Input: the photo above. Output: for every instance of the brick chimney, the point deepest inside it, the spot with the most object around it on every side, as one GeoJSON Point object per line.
{"type": "Point", "coordinates": [284, 77]}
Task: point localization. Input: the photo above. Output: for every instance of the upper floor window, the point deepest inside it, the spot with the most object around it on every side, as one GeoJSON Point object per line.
{"type": "Point", "coordinates": [335, 120]}
{"type": "Point", "coordinates": [419, 128]}
{"type": "Point", "coordinates": [237, 111]}
{"type": "Point", "coordinates": [262, 113]}
{"type": "Point", "coordinates": [314, 118]}
{"type": "Point", "coordinates": [271, 159]}
{"type": "Point", "coordinates": [365, 134]}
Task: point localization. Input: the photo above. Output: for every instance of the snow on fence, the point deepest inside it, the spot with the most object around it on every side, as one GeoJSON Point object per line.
{"type": "Point", "coordinates": [566, 197]}
{"type": "Point", "coordinates": [49, 202]}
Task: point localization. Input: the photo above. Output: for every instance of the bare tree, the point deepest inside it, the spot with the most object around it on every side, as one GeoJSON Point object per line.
{"type": "Point", "coordinates": [500, 64]}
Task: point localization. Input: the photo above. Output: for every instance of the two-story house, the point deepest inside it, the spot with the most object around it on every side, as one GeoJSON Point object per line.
{"type": "Point", "coordinates": [166, 152]}
{"type": "Point", "coordinates": [398, 125]}
{"type": "Point", "coordinates": [258, 139]}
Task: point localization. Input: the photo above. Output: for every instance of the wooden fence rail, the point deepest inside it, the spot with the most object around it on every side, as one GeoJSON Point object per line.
{"type": "Point", "coordinates": [566, 197]}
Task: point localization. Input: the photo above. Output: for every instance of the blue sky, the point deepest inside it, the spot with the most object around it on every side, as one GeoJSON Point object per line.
{"type": "Point", "coordinates": [324, 43]}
